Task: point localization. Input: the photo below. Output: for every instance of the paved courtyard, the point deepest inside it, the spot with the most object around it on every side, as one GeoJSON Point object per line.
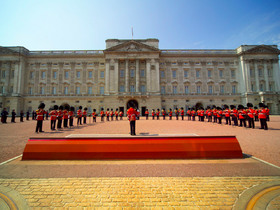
{"type": "Point", "coordinates": [143, 184]}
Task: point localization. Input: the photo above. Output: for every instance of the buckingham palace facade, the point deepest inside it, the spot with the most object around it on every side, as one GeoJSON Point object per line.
{"type": "Point", "coordinates": [138, 71]}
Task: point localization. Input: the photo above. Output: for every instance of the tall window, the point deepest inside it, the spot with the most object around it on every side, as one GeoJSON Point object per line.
{"type": "Point", "coordinates": [42, 90]}
{"type": "Point", "coordinates": [31, 75]}
{"type": "Point", "coordinates": [66, 75]}
{"type": "Point", "coordinates": [221, 73]}
{"type": "Point", "coordinates": [2, 90]}
{"type": "Point", "coordinates": [209, 73]}
{"type": "Point", "coordinates": [102, 74]}
{"type": "Point", "coordinates": [232, 72]}
{"type": "Point", "coordinates": [90, 90]}
{"type": "Point", "coordinates": [122, 88]}
{"type": "Point", "coordinates": [121, 73]}
{"type": "Point", "coordinates": [186, 73]}
{"type": "Point", "coordinates": [187, 89]}
{"type": "Point", "coordinates": [198, 89]}
{"type": "Point", "coordinates": [3, 74]}
{"type": "Point", "coordinates": [210, 89]}
{"type": "Point", "coordinates": [143, 89]}
{"type": "Point", "coordinates": [132, 73]}
{"type": "Point", "coordinates": [162, 89]}
{"type": "Point", "coordinates": [53, 90]}
{"type": "Point", "coordinates": [162, 74]}
{"type": "Point", "coordinates": [252, 87]}
{"type": "Point", "coordinates": [55, 74]}
{"type": "Point", "coordinates": [90, 74]}
{"type": "Point", "coordinates": [222, 88]}
{"type": "Point", "coordinates": [77, 90]}
{"type": "Point", "coordinates": [13, 73]}
{"type": "Point", "coordinates": [174, 73]}
{"type": "Point", "coordinates": [174, 88]}
{"type": "Point", "coordinates": [142, 73]}
{"type": "Point", "coordinates": [43, 75]}
{"type": "Point", "coordinates": [65, 90]}
{"type": "Point", "coordinates": [30, 91]}
{"type": "Point", "coordinates": [12, 89]}
{"type": "Point", "coordinates": [132, 88]}
{"type": "Point", "coordinates": [270, 87]}
{"type": "Point", "coordinates": [102, 90]}
{"type": "Point", "coordinates": [261, 87]}
{"type": "Point", "coordinates": [260, 72]}
{"type": "Point", "coordinates": [233, 89]}
{"type": "Point", "coordinates": [78, 74]}
{"type": "Point", "coordinates": [197, 73]}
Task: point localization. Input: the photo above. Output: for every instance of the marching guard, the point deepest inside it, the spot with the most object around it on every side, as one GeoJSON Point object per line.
{"type": "Point", "coordinates": [147, 114]}
{"type": "Point", "coordinates": [40, 117]}
{"type": "Point", "coordinates": [234, 115]}
{"type": "Point", "coordinates": [227, 115]}
{"type": "Point", "coordinates": [121, 115]}
{"type": "Point", "coordinates": [177, 114]}
{"type": "Point", "coordinates": [85, 115]}
{"type": "Point", "coordinates": [59, 117]}
{"type": "Point", "coordinates": [94, 115]}
{"type": "Point", "coordinates": [117, 114]}
{"type": "Point", "coordinates": [53, 115]}
{"type": "Point", "coordinates": [242, 116]}
{"type": "Point", "coordinates": [182, 113]}
{"type": "Point", "coordinates": [263, 116]}
{"type": "Point", "coordinates": [132, 120]}
{"type": "Point", "coordinates": [102, 115]}
{"type": "Point", "coordinates": [251, 115]}
{"type": "Point", "coordinates": [79, 115]}
{"type": "Point", "coordinates": [65, 116]}
{"type": "Point", "coordinates": [71, 116]}
{"type": "Point", "coordinates": [170, 114]}
{"type": "Point", "coordinates": [163, 112]}
{"type": "Point", "coordinates": [107, 114]}
{"type": "Point", "coordinates": [112, 114]}
{"type": "Point", "coordinates": [157, 113]}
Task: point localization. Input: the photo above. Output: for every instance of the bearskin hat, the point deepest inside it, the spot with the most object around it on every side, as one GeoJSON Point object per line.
{"type": "Point", "coordinates": [117, 109]}
{"type": "Point", "coordinates": [55, 107]}
{"type": "Point", "coordinates": [66, 107]}
{"type": "Point", "coordinates": [60, 107]}
{"type": "Point", "coordinates": [213, 107]}
{"type": "Point", "coordinates": [85, 108]}
{"type": "Point", "coordinates": [226, 106]}
{"type": "Point", "coordinates": [80, 107]}
{"type": "Point", "coordinates": [261, 105]}
{"type": "Point", "coordinates": [72, 108]}
{"type": "Point", "coordinates": [102, 109]}
{"type": "Point", "coordinates": [240, 107]}
{"type": "Point", "coordinates": [232, 106]}
{"type": "Point", "coordinates": [94, 110]}
{"type": "Point", "coordinates": [249, 105]}
{"type": "Point", "coordinates": [41, 106]}
{"type": "Point", "coordinates": [255, 107]}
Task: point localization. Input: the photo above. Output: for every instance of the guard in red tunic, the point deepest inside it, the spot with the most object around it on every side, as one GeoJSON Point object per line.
{"type": "Point", "coordinates": [59, 117]}
{"type": "Point", "coordinates": [53, 115]}
{"type": "Point", "coordinates": [193, 112]}
{"type": "Point", "coordinates": [177, 114]}
{"type": "Point", "coordinates": [263, 117]}
{"type": "Point", "coordinates": [214, 111]}
{"type": "Point", "coordinates": [94, 114]}
{"type": "Point", "coordinates": [85, 115]}
{"type": "Point", "coordinates": [163, 112]}
{"type": "Point", "coordinates": [65, 116]}
{"type": "Point", "coordinates": [209, 114]}
{"type": "Point", "coordinates": [40, 117]}
{"type": "Point", "coordinates": [117, 114]}
{"type": "Point", "coordinates": [219, 115]}
{"type": "Point", "coordinates": [170, 114]}
{"type": "Point", "coordinates": [107, 114]}
{"type": "Point", "coordinates": [182, 113]}
{"type": "Point", "coordinates": [256, 113]}
{"type": "Point", "coordinates": [227, 114]}
{"type": "Point", "coordinates": [157, 113]}
{"type": "Point", "coordinates": [234, 115]}
{"type": "Point", "coordinates": [267, 113]}
{"type": "Point", "coordinates": [189, 113]}
{"type": "Point", "coordinates": [251, 115]}
{"type": "Point", "coordinates": [102, 114]}
{"type": "Point", "coordinates": [242, 115]}
{"type": "Point", "coordinates": [112, 114]}
{"type": "Point", "coordinates": [131, 113]}
{"type": "Point", "coordinates": [121, 115]}
{"type": "Point", "coordinates": [147, 114]}
{"type": "Point", "coordinates": [79, 115]}
{"type": "Point", "coordinates": [153, 114]}
{"type": "Point", "coordinates": [201, 114]}
{"type": "Point", "coordinates": [71, 116]}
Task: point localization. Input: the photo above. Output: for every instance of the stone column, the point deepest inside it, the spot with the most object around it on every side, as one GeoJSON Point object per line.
{"type": "Point", "coordinates": [60, 78]}
{"type": "Point", "coordinates": [116, 75]}
{"type": "Point", "coordinates": [157, 76]}
{"type": "Point", "coordinates": [137, 76]}
{"type": "Point", "coordinates": [72, 77]}
{"type": "Point", "coordinates": [148, 76]}
{"type": "Point", "coordinates": [248, 80]}
{"type": "Point", "coordinates": [8, 75]}
{"type": "Point", "coordinates": [36, 77]}
{"type": "Point", "coordinates": [257, 76]}
{"type": "Point", "coordinates": [276, 74]}
{"type": "Point", "coordinates": [126, 77]}
{"type": "Point", "coordinates": [49, 77]}
{"type": "Point", "coordinates": [107, 75]}
{"type": "Point", "coordinates": [15, 89]}
{"type": "Point", "coordinates": [266, 76]}
{"type": "Point", "coordinates": [84, 79]}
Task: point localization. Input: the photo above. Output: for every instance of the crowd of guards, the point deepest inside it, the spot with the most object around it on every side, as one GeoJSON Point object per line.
{"type": "Point", "coordinates": [63, 116]}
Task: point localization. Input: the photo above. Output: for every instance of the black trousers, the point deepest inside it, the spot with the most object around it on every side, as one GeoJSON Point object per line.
{"type": "Point", "coordinates": [234, 119]}
{"type": "Point", "coordinates": [79, 121]}
{"type": "Point", "coordinates": [112, 118]}
{"type": "Point", "coordinates": [209, 118]}
{"type": "Point", "coordinates": [107, 118]}
{"type": "Point", "coordinates": [177, 117]}
{"type": "Point", "coordinates": [256, 118]}
{"type": "Point", "coordinates": [182, 117]}
{"type": "Point", "coordinates": [263, 124]}
{"type": "Point", "coordinates": [59, 123]}
{"type": "Point", "coordinates": [189, 117]}
{"type": "Point", "coordinates": [153, 117]}
{"type": "Point", "coordinates": [228, 121]}
{"type": "Point", "coordinates": [242, 121]}
{"type": "Point", "coordinates": [163, 117]}
{"type": "Point", "coordinates": [157, 117]}
{"type": "Point", "coordinates": [53, 122]}
{"type": "Point", "coordinates": [202, 118]}
{"type": "Point", "coordinates": [39, 126]}
{"type": "Point", "coordinates": [170, 117]}
{"type": "Point", "coordinates": [147, 116]}
{"type": "Point", "coordinates": [215, 119]}
{"type": "Point", "coordinates": [13, 119]}
{"type": "Point", "coordinates": [251, 122]}
{"type": "Point", "coordinates": [102, 118]}
{"type": "Point", "coordinates": [65, 123]}
{"type": "Point", "coordinates": [4, 119]}
{"type": "Point", "coordinates": [219, 120]}
{"type": "Point", "coordinates": [117, 117]}
{"type": "Point", "coordinates": [93, 119]}
{"type": "Point", "coordinates": [132, 127]}
{"type": "Point", "coordinates": [193, 118]}
{"type": "Point", "coordinates": [71, 121]}
{"type": "Point", "coordinates": [85, 120]}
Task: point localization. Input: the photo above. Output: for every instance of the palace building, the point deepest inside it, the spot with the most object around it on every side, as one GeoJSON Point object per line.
{"type": "Point", "coordinates": [138, 72]}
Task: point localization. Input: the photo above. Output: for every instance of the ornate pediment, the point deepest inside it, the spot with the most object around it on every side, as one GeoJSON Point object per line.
{"type": "Point", "coordinates": [132, 46]}
{"type": "Point", "coordinates": [262, 49]}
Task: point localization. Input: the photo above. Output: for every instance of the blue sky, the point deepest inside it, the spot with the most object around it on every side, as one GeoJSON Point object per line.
{"type": "Point", "coordinates": [178, 24]}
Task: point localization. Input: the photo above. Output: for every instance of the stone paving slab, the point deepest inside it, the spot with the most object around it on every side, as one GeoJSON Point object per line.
{"type": "Point", "coordinates": [135, 192]}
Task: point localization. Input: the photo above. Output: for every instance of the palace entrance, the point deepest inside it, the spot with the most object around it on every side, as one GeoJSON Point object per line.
{"type": "Point", "coordinates": [132, 103]}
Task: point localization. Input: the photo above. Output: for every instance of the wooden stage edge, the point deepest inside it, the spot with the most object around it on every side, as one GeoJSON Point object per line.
{"type": "Point", "coordinates": [124, 147]}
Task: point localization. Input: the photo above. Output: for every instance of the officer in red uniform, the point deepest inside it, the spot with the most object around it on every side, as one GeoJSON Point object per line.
{"type": "Point", "coordinates": [40, 117]}
{"type": "Point", "coordinates": [219, 115]}
{"type": "Point", "coordinates": [117, 114]}
{"type": "Point", "coordinates": [214, 111]}
{"type": "Point", "coordinates": [132, 119]}
{"type": "Point", "coordinates": [209, 114]}
{"type": "Point", "coordinates": [251, 115]}
{"type": "Point", "coordinates": [177, 114]}
{"type": "Point", "coordinates": [102, 115]}
{"type": "Point", "coordinates": [153, 114]}
{"type": "Point", "coordinates": [242, 115]}
{"type": "Point", "coordinates": [53, 115]}
{"type": "Point", "coordinates": [263, 117]}
{"type": "Point", "coordinates": [193, 112]}
{"type": "Point", "coordinates": [163, 112]}
{"type": "Point", "coordinates": [79, 115]}
{"type": "Point", "coordinates": [59, 117]}
{"type": "Point", "coordinates": [147, 114]}
{"type": "Point", "coordinates": [234, 115]}
{"type": "Point", "coordinates": [202, 114]}
{"type": "Point", "coordinates": [121, 115]}
{"type": "Point", "coordinates": [71, 116]}
{"type": "Point", "coordinates": [170, 114]}
{"type": "Point", "coordinates": [107, 114]}
{"type": "Point", "coordinates": [182, 113]}
{"type": "Point", "coordinates": [65, 116]}
{"type": "Point", "coordinates": [94, 114]}
{"type": "Point", "coordinates": [85, 115]}
{"type": "Point", "coordinates": [227, 114]}
{"type": "Point", "coordinates": [189, 114]}
{"type": "Point", "coordinates": [157, 113]}
{"type": "Point", "coordinates": [112, 114]}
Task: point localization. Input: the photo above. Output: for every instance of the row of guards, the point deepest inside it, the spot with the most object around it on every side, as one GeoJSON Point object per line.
{"type": "Point", "coordinates": [65, 115]}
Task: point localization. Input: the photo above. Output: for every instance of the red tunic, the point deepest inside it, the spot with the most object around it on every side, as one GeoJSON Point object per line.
{"type": "Point", "coordinates": [40, 114]}
{"type": "Point", "coordinates": [53, 114]}
{"type": "Point", "coordinates": [65, 114]}
{"type": "Point", "coordinates": [262, 114]}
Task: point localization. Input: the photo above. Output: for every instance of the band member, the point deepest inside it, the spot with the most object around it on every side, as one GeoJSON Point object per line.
{"type": "Point", "coordinates": [177, 114]}
{"type": "Point", "coordinates": [201, 114]}
{"type": "Point", "coordinates": [189, 114]}
{"type": "Point", "coordinates": [214, 111]}
{"type": "Point", "coordinates": [267, 113]}
{"type": "Point", "coordinates": [59, 117]}
{"type": "Point", "coordinates": [40, 117]}
{"type": "Point", "coordinates": [182, 113]}
{"type": "Point", "coordinates": [117, 114]}
{"type": "Point", "coordinates": [107, 114]}
{"type": "Point", "coordinates": [71, 116]}
{"type": "Point", "coordinates": [263, 117]}
{"type": "Point", "coordinates": [79, 115]}
{"type": "Point", "coordinates": [132, 119]}
{"type": "Point", "coordinates": [256, 113]}
{"type": "Point", "coordinates": [102, 115]}
{"type": "Point", "coordinates": [157, 113]}
{"type": "Point", "coordinates": [163, 112]}
{"type": "Point", "coordinates": [65, 116]}
{"type": "Point", "coordinates": [53, 115]}
{"type": "Point", "coordinates": [94, 114]}
{"type": "Point", "coordinates": [234, 115]}
{"type": "Point", "coordinates": [112, 114]}
{"type": "Point", "coordinates": [4, 115]}
{"type": "Point", "coordinates": [193, 112]}
{"type": "Point", "coordinates": [13, 120]}
{"type": "Point", "coordinates": [198, 114]}
{"type": "Point", "coordinates": [153, 114]}
{"type": "Point", "coordinates": [121, 115]}
{"type": "Point", "coordinates": [147, 114]}
{"type": "Point", "coordinates": [242, 116]}
{"type": "Point", "coordinates": [209, 114]}
{"type": "Point", "coordinates": [27, 115]}
{"type": "Point", "coordinates": [227, 115]}
{"type": "Point", "coordinates": [251, 114]}
{"type": "Point", "coordinates": [21, 116]}
{"type": "Point", "coordinates": [170, 114]}
{"type": "Point", "coordinates": [85, 115]}
{"type": "Point", "coordinates": [219, 115]}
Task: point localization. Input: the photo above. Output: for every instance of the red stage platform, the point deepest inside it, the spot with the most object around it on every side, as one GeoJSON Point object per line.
{"type": "Point", "coordinates": [139, 147]}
